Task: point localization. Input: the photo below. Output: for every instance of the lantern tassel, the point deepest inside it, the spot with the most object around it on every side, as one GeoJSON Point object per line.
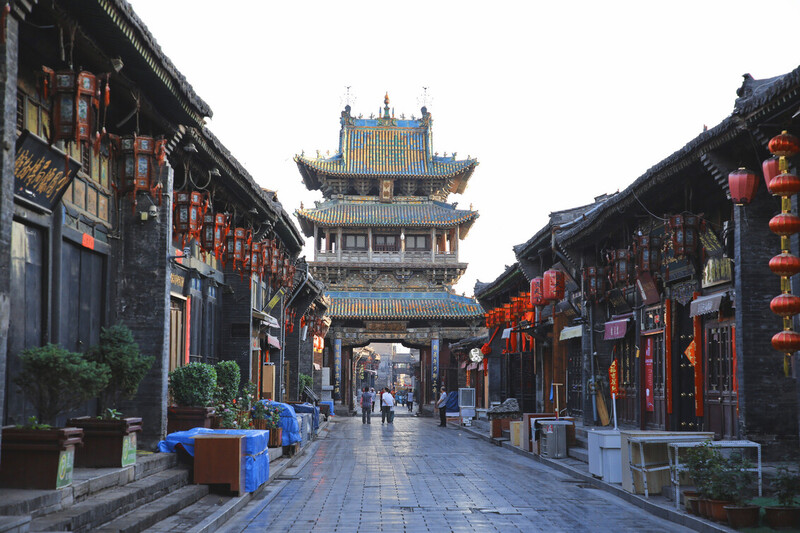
{"type": "Point", "coordinates": [786, 365]}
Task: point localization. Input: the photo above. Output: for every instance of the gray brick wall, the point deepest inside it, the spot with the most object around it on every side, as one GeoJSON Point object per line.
{"type": "Point", "coordinates": [767, 399]}
{"type": "Point", "coordinates": [8, 94]}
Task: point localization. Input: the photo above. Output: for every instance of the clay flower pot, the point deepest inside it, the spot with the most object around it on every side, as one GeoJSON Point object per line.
{"type": "Point", "coordinates": [186, 418]}
{"type": "Point", "coordinates": [717, 510]}
{"type": "Point", "coordinates": [741, 516]}
{"type": "Point", "coordinates": [782, 517]}
{"type": "Point", "coordinates": [275, 438]}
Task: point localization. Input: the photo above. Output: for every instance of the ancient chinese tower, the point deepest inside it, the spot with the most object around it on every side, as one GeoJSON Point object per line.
{"type": "Point", "coordinates": [386, 244]}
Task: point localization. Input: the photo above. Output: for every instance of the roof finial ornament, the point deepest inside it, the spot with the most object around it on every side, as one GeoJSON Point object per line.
{"type": "Point", "coordinates": [386, 106]}
{"type": "Point", "coordinates": [348, 99]}
{"type": "Point", "coordinates": [424, 100]}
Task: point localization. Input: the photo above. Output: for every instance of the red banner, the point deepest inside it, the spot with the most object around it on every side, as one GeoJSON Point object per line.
{"type": "Point", "coordinates": [613, 378]}
{"type": "Point", "coordinates": [648, 374]}
{"type": "Point", "coordinates": [691, 353]}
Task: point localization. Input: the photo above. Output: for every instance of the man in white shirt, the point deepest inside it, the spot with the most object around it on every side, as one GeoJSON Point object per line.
{"type": "Point", "coordinates": [442, 405]}
{"type": "Point", "coordinates": [387, 402]}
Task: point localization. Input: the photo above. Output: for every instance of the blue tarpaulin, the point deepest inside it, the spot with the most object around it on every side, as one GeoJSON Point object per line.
{"type": "Point", "coordinates": [256, 458]}
{"type": "Point", "coordinates": [289, 424]}
{"type": "Point", "coordinates": [452, 402]}
{"type": "Point", "coordinates": [308, 408]}
{"type": "Point", "coordinates": [330, 403]}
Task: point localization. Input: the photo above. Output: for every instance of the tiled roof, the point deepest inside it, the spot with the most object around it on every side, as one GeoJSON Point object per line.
{"type": "Point", "coordinates": [425, 213]}
{"type": "Point", "coordinates": [401, 305]}
{"type": "Point", "coordinates": [388, 153]}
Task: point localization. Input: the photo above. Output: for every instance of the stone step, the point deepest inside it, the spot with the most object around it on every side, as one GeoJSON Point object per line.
{"type": "Point", "coordinates": [113, 502]}
{"type": "Point", "coordinates": [147, 515]}
{"type": "Point", "coordinates": [581, 454]}
{"type": "Point", "coordinates": [86, 482]}
{"type": "Point", "coordinates": [14, 524]}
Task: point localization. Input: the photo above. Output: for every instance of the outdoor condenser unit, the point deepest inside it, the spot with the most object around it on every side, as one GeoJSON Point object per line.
{"type": "Point", "coordinates": [553, 434]}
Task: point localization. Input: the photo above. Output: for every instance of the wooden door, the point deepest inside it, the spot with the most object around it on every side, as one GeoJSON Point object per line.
{"type": "Point", "coordinates": [720, 397]}
{"type": "Point", "coordinates": [83, 291]}
{"type": "Point", "coordinates": [27, 302]}
{"type": "Point", "coordinates": [574, 377]}
{"type": "Point", "coordinates": [176, 333]}
{"type": "Point", "coordinates": [684, 388]}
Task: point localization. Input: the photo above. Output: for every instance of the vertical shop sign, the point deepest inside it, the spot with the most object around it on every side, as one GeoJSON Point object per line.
{"type": "Point", "coordinates": [613, 378]}
{"type": "Point", "coordinates": [337, 368]}
{"type": "Point", "coordinates": [648, 374]}
{"type": "Point", "coordinates": [435, 366]}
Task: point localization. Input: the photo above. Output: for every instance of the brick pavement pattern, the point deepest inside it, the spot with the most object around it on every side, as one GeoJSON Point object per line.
{"type": "Point", "coordinates": [414, 476]}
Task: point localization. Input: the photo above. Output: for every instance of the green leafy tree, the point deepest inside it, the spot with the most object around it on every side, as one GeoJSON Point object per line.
{"type": "Point", "coordinates": [306, 381]}
{"type": "Point", "coordinates": [193, 385]}
{"type": "Point", "coordinates": [128, 366]}
{"type": "Point", "coordinates": [57, 381]}
{"type": "Point", "coordinates": [228, 379]}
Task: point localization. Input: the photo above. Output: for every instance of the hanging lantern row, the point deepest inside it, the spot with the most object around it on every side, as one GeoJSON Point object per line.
{"type": "Point", "coordinates": [537, 292]}
{"type": "Point", "coordinates": [289, 322]}
{"type": "Point", "coordinates": [76, 99]}
{"type": "Point", "coordinates": [554, 285]}
{"type": "Point", "coordinates": [785, 224]}
{"type": "Point", "coordinates": [685, 230]}
{"type": "Point", "coordinates": [190, 211]}
{"type": "Point", "coordinates": [619, 267]}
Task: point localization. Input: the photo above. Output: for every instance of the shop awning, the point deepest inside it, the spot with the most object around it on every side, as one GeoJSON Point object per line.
{"type": "Point", "coordinates": [273, 341]}
{"type": "Point", "coordinates": [473, 366]}
{"type": "Point", "coordinates": [463, 364]}
{"type": "Point", "coordinates": [571, 332]}
{"type": "Point", "coordinates": [706, 304]}
{"type": "Point", "coordinates": [267, 319]}
{"type": "Point", "coordinates": [615, 329]}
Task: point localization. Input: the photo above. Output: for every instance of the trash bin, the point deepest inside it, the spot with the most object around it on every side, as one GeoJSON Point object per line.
{"type": "Point", "coordinates": [554, 438]}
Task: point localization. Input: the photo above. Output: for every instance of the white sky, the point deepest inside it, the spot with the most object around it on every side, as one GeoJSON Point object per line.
{"type": "Point", "coordinates": [560, 101]}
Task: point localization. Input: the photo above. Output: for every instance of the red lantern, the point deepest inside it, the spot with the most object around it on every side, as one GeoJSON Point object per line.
{"type": "Point", "coordinates": [235, 246]}
{"type": "Point", "coordinates": [784, 145]}
{"type": "Point", "coordinates": [255, 265]}
{"type": "Point", "coordinates": [215, 229]}
{"type": "Point", "coordinates": [784, 224]}
{"type": "Point", "coordinates": [684, 234]}
{"type": "Point", "coordinates": [554, 282]}
{"type": "Point", "coordinates": [786, 341]}
{"type": "Point", "coordinates": [771, 168]}
{"type": "Point", "coordinates": [785, 184]}
{"type": "Point", "coordinates": [507, 314]}
{"type": "Point", "coordinates": [594, 282]}
{"type": "Point", "coordinates": [743, 185]}
{"type": "Point", "coordinates": [75, 97]}
{"type": "Point", "coordinates": [537, 292]}
{"type": "Point", "coordinates": [785, 264]}
{"type": "Point", "coordinates": [647, 250]}
{"type": "Point", "coordinates": [190, 208]}
{"type": "Point", "coordinates": [620, 267]}
{"type": "Point", "coordinates": [488, 318]}
{"type": "Point", "coordinates": [785, 305]}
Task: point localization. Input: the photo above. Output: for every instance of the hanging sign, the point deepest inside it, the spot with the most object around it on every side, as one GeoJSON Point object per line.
{"type": "Point", "coordinates": [613, 378]}
{"type": "Point", "coordinates": [41, 173]}
{"type": "Point", "coordinates": [648, 374]}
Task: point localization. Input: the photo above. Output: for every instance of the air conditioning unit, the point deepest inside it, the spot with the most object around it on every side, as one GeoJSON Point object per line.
{"type": "Point", "coordinates": [466, 405]}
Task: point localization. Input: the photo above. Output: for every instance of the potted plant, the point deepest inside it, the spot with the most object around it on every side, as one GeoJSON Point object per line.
{"type": "Point", "coordinates": [699, 460]}
{"type": "Point", "coordinates": [192, 389]}
{"type": "Point", "coordinates": [55, 381]}
{"type": "Point", "coordinates": [109, 440]}
{"type": "Point", "coordinates": [228, 379]}
{"type": "Point", "coordinates": [738, 478]}
{"type": "Point", "coordinates": [267, 415]}
{"type": "Point", "coordinates": [720, 491]}
{"type": "Point", "coordinates": [786, 514]}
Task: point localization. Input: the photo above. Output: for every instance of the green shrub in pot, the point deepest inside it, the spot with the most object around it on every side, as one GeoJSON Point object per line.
{"type": "Point", "coordinates": [193, 385]}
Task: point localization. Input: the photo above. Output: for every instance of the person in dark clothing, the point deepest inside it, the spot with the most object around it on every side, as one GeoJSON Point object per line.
{"type": "Point", "coordinates": [366, 406]}
{"type": "Point", "coordinates": [410, 401]}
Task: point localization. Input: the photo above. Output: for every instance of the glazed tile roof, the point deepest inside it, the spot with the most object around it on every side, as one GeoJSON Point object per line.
{"type": "Point", "coordinates": [425, 213]}
{"type": "Point", "coordinates": [388, 153]}
{"type": "Point", "coordinates": [401, 305]}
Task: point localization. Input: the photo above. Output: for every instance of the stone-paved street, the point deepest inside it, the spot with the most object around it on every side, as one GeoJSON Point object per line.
{"type": "Point", "coordinates": [414, 476]}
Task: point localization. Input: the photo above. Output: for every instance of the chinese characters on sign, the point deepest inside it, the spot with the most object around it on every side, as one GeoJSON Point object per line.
{"type": "Point", "coordinates": [613, 378]}
{"type": "Point", "coordinates": [41, 173]}
{"type": "Point", "coordinates": [337, 368]}
{"type": "Point", "coordinates": [435, 365]}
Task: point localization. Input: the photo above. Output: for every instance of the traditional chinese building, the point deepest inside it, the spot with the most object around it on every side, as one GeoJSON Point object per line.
{"type": "Point", "coordinates": [386, 243]}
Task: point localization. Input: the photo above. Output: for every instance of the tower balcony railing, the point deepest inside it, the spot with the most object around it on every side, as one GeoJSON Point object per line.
{"type": "Point", "coordinates": [416, 256]}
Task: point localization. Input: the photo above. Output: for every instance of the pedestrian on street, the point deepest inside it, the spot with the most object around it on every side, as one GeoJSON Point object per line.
{"type": "Point", "coordinates": [374, 394]}
{"type": "Point", "coordinates": [366, 406]}
{"type": "Point", "coordinates": [442, 405]}
{"type": "Point", "coordinates": [386, 402]}
{"type": "Point", "coordinates": [410, 401]}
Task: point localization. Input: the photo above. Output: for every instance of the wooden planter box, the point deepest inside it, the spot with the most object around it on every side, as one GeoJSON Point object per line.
{"type": "Point", "coordinates": [38, 458]}
{"type": "Point", "coordinates": [185, 418]}
{"type": "Point", "coordinates": [275, 434]}
{"type": "Point", "coordinates": [107, 443]}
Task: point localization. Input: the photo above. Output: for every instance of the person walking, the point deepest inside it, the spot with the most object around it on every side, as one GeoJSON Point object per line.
{"type": "Point", "coordinates": [386, 403]}
{"type": "Point", "coordinates": [366, 406]}
{"type": "Point", "coordinates": [410, 401]}
{"type": "Point", "coordinates": [442, 405]}
{"type": "Point", "coordinates": [374, 394]}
